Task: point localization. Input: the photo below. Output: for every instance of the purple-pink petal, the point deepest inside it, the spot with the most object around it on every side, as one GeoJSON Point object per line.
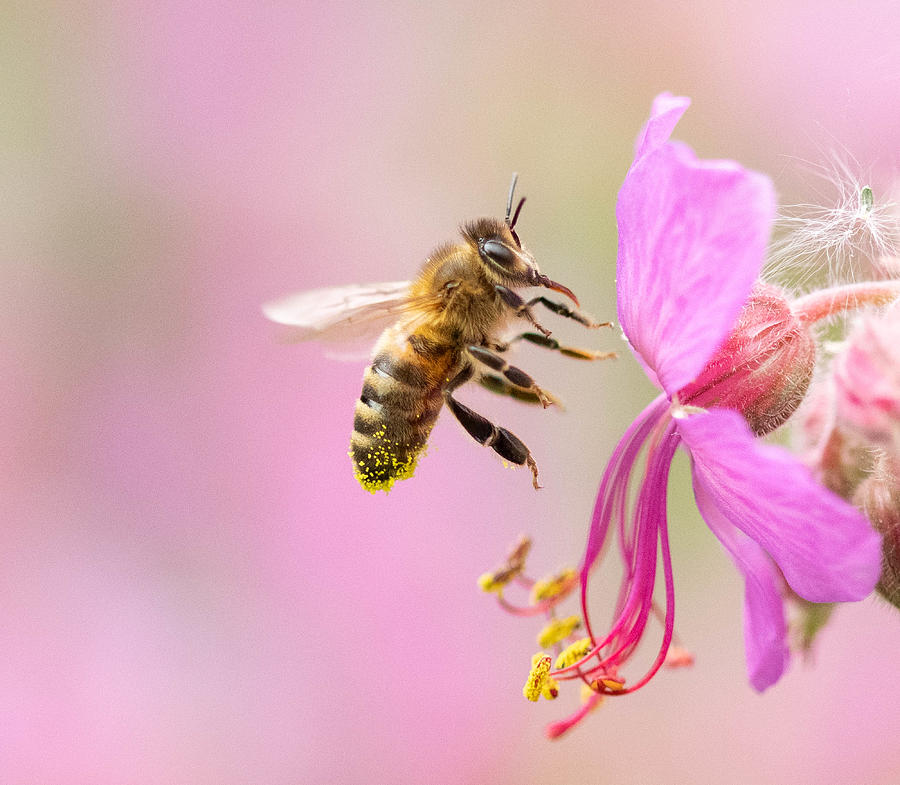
{"type": "Point", "coordinates": [765, 630]}
{"type": "Point", "coordinates": [825, 547]}
{"type": "Point", "coordinates": [665, 113]}
{"type": "Point", "coordinates": [692, 237]}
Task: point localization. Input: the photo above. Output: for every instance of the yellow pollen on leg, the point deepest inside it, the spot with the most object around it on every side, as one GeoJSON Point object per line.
{"type": "Point", "coordinates": [370, 472]}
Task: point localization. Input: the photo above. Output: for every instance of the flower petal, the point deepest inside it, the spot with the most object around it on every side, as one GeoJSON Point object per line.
{"type": "Point", "coordinates": [765, 630]}
{"type": "Point", "coordinates": [826, 548]}
{"type": "Point", "coordinates": [692, 236]}
{"type": "Point", "coordinates": [664, 116]}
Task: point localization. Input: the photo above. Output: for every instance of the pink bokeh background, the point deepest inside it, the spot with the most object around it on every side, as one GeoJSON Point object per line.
{"type": "Point", "coordinates": [195, 589]}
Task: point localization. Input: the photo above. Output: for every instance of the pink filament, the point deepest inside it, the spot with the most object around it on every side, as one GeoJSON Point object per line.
{"type": "Point", "coordinates": [641, 526]}
{"type": "Point", "coordinates": [557, 729]}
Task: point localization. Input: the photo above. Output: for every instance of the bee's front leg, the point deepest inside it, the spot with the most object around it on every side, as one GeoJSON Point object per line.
{"type": "Point", "coordinates": [519, 306]}
{"type": "Point", "coordinates": [507, 445]}
{"type": "Point", "coordinates": [568, 313]}
{"type": "Point", "coordinates": [513, 375]}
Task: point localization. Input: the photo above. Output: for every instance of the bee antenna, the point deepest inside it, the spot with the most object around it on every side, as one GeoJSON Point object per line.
{"type": "Point", "coordinates": [512, 190]}
{"type": "Point", "coordinates": [515, 217]}
{"type": "Point", "coordinates": [509, 200]}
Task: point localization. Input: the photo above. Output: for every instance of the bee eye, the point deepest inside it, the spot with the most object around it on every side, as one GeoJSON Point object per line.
{"type": "Point", "coordinates": [499, 253]}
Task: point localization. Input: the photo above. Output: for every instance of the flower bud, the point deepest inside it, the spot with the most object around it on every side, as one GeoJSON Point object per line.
{"type": "Point", "coordinates": [867, 380]}
{"type": "Point", "coordinates": [879, 497]}
{"type": "Point", "coordinates": [839, 456]}
{"type": "Point", "coordinates": [764, 367]}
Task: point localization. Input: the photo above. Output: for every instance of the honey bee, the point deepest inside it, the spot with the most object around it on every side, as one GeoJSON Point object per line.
{"type": "Point", "coordinates": [443, 329]}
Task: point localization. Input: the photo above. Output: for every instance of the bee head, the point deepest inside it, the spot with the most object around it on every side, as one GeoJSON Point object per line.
{"type": "Point", "coordinates": [500, 248]}
{"type": "Point", "coordinates": [501, 251]}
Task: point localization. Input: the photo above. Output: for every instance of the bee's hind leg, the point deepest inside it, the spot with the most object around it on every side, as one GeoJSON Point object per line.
{"type": "Point", "coordinates": [515, 376]}
{"type": "Point", "coordinates": [507, 445]}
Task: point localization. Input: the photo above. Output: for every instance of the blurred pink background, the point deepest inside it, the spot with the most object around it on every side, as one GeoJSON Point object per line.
{"type": "Point", "coordinates": [195, 589]}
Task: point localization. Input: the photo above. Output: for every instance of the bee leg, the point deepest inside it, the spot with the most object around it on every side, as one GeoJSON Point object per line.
{"type": "Point", "coordinates": [519, 306]}
{"type": "Point", "coordinates": [497, 384]}
{"type": "Point", "coordinates": [569, 313]}
{"type": "Point", "coordinates": [513, 375]}
{"type": "Point", "coordinates": [507, 445]}
{"type": "Point", "coordinates": [568, 351]}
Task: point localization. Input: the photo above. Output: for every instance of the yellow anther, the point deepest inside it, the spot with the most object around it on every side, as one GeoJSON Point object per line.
{"type": "Point", "coordinates": [557, 630]}
{"type": "Point", "coordinates": [488, 582]}
{"type": "Point", "coordinates": [588, 694]}
{"type": "Point", "coordinates": [572, 653]}
{"type": "Point", "coordinates": [493, 582]}
{"type": "Point", "coordinates": [608, 684]}
{"type": "Point", "coordinates": [516, 557]}
{"type": "Point", "coordinates": [537, 677]}
{"type": "Point", "coordinates": [550, 689]}
{"type": "Point", "coordinates": [554, 586]}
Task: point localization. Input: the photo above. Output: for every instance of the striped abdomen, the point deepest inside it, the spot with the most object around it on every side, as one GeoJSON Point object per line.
{"type": "Point", "coordinates": [400, 401]}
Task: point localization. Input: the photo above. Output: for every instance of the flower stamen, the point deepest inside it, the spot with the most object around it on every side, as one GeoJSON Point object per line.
{"type": "Point", "coordinates": [538, 677]}
{"type": "Point", "coordinates": [554, 587]}
{"type": "Point", "coordinates": [495, 582]}
{"type": "Point", "coordinates": [573, 653]}
{"type": "Point", "coordinates": [557, 630]}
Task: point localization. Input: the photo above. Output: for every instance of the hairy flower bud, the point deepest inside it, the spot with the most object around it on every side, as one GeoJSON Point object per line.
{"type": "Point", "coordinates": [840, 458]}
{"type": "Point", "coordinates": [879, 497]}
{"type": "Point", "coordinates": [764, 367]}
{"type": "Point", "coordinates": [867, 380]}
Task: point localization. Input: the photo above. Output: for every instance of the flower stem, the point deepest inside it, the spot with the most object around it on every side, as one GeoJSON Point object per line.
{"type": "Point", "coordinates": [837, 299]}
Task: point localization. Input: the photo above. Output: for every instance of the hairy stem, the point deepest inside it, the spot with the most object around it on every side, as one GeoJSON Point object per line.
{"type": "Point", "coordinates": [839, 299]}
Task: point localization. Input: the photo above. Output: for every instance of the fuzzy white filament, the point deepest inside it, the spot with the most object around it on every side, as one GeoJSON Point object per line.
{"type": "Point", "coordinates": [837, 240]}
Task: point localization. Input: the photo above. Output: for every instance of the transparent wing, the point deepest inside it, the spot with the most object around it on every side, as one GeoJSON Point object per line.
{"type": "Point", "coordinates": [340, 314]}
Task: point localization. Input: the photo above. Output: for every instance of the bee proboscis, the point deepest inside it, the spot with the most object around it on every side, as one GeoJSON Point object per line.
{"type": "Point", "coordinates": [443, 329]}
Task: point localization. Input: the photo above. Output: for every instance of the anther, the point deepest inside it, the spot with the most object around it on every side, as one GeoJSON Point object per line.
{"type": "Point", "coordinates": [554, 587]}
{"type": "Point", "coordinates": [608, 684]}
{"type": "Point", "coordinates": [537, 676]}
{"type": "Point", "coordinates": [573, 653]}
{"type": "Point", "coordinates": [493, 582]}
{"type": "Point", "coordinates": [558, 630]}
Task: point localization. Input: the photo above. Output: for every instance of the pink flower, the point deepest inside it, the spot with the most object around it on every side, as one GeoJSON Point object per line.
{"type": "Point", "coordinates": [867, 380]}
{"type": "Point", "coordinates": [692, 238]}
{"type": "Point", "coordinates": [866, 383]}
{"type": "Point", "coordinates": [733, 357]}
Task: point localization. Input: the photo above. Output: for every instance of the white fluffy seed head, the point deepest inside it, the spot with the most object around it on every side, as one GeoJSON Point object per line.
{"type": "Point", "coordinates": [854, 233]}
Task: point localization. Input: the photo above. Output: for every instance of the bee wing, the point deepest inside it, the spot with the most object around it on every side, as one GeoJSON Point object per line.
{"type": "Point", "coordinates": [340, 314]}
